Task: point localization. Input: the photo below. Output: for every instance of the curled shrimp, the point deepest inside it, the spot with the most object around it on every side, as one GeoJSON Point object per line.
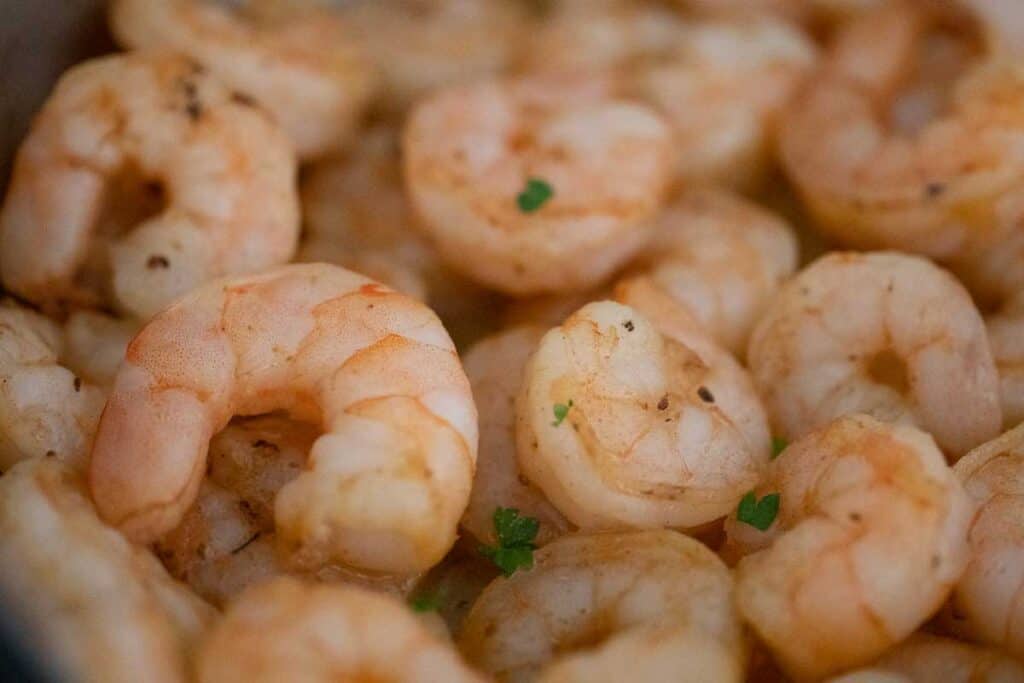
{"type": "Point", "coordinates": [101, 608]}
{"type": "Point", "coordinates": [624, 426]}
{"type": "Point", "coordinates": [535, 185]}
{"type": "Point", "coordinates": [923, 658]}
{"type": "Point", "coordinates": [882, 333]}
{"type": "Point", "coordinates": [722, 258]}
{"type": "Point", "coordinates": [718, 81]}
{"type": "Point", "coordinates": [988, 604]}
{"type": "Point", "coordinates": [285, 629]}
{"type": "Point", "coordinates": [45, 409]}
{"type": "Point", "coordinates": [94, 344]}
{"type": "Point", "coordinates": [113, 133]}
{"type": "Point", "coordinates": [869, 539]}
{"type": "Point", "coordinates": [495, 368]}
{"type": "Point", "coordinates": [301, 67]}
{"type": "Point", "coordinates": [907, 139]}
{"type": "Point", "coordinates": [422, 45]}
{"type": "Point", "coordinates": [373, 368]}
{"type": "Point", "coordinates": [1006, 337]}
{"type": "Point", "coordinates": [649, 605]}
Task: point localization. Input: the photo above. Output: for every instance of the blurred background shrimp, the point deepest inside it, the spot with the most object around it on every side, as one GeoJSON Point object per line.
{"type": "Point", "coordinates": [923, 658]}
{"type": "Point", "coordinates": [374, 370]}
{"type": "Point", "coordinates": [303, 67]}
{"type": "Point", "coordinates": [99, 608]}
{"type": "Point", "coordinates": [853, 539]}
{"type": "Point", "coordinates": [622, 426]}
{"type": "Point", "coordinates": [988, 604]}
{"type": "Point", "coordinates": [289, 630]}
{"type": "Point", "coordinates": [649, 605]}
{"type": "Point", "coordinates": [143, 177]}
{"type": "Point", "coordinates": [1006, 337]}
{"type": "Point", "coordinates": [535, 185]}
{"type": "Point", "coordinates": [883, 333]}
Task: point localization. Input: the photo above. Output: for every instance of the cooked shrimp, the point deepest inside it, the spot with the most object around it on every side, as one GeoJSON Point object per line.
{"type": "Point", "coordinates": [226, 541]}
{"type": "Point", "coordinates": [622, 426]}
{"type": "Point", "coordinates": [288, 630]}
{"type": "Point", "coordinates": [550, 310]}
{"type": "Point", "coordinates": [1006, 337]}
{"type": "Point", "coordinates": [375, 369]}
{"type": "Point", "coordinates": [924, 658]}
{"type": "Point", "coordinates": [872, 675]}
{"type": "Point", "coordinates": [45, 409]}
{"type": "Point", "coordinates": [904, 140]}
{"type": "Point", "coordinates": [535, 185]}
{"type": "Point", "coordinates": [94, 345]}
{"type": "Point", "coordinates": [495, 368]}
{"type": "Point", "coordinates": [870, 537]}
{"type": "Point", "coordinates": [723, 258]}
{"type": "Point", "coordinates": [718, 81]}
{"type": "Point", "coordinates": [303, 68]}
{"type": "Point", "coordinates": [988, 604]}
{"type": "Point", "coordinates": [645, 606]}
{"type": "Point", "coordinates": [112, 133]}
{"type": "Point", "coordinates": [881, 333]}
{"type": "Point", "coordinates": [100, 608]}
{"type": "Point", "coordinates": [422, 45]}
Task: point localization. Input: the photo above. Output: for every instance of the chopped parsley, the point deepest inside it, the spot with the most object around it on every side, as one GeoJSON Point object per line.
{"type": "Point", "coordinates": [428, 601]}
{"type": "Point", "coordinates": [561, 410]}
{"type": "Point", "coordinates": [778, 445]}
{"type": "Point", "coordinates": [758, 513]}
{"type": "Point", "coordinates": [516, 534]}
{"type": "Point", "coordinates": [534, 195]}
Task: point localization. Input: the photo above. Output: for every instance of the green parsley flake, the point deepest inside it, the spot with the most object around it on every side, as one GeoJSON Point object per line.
{"type": "Point", "coordinates": [534, 195]}
{"type": "Point", "coordinates": [425, 602]}
{"type": "Point", "coordinates": [515, 547]}
{"type": "Point", "coordinates": [561, 411]}
{"type": "Point", "coordinates": [758, 513]}
{"type": "Point", "coordinates": [778, 445]}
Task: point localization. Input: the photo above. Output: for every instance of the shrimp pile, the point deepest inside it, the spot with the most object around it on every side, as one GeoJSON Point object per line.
{"type": "Point", "coordinates": [520, 341]}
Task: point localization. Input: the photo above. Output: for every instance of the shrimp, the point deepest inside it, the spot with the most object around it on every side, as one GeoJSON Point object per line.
{"type": "Point", "coordinates": [624, 426]}
{"type": "Point", "coordinates": [495, 368]}
{"type": "Point", "coordinates": [94, 345]}
{"type": "Point", "coordinates": [719, 81]}
{"type": "Point", "coordinates": [925, 658]}
{"type": "Point", "coordinates": [285, 629]}
{"type": "Point", "coordinates": [422, 45]}
{"type": "Point", "coordinates": [988, 603]}
{"type": "Point", "coordinates": [302, 67]}
{"type": "Point", "coordinates": [722, 258]}
{"type": "Point", "coordinates": [869, 539]}
{"type": "Point", "coordinates": [646, 606]}
{"type": "Point", "coordinates": [226, 541]}
{"type": "Point", "coordinates": [45, 409]}
{"type": "Point", "coordinates": [535, 185]}
{"type": "Point", "coordinates": [908, 138]}
{"type": "Point", "coordinates": [103, 609]}
{"type": "Point", "coordinates": [82, 224]}
{"type": "Point", "coordinates": [375, 369]}
{"type": "Point", "coordinates": [882, 333]}
{"type": "Point", "coordinates": [1006, 337]}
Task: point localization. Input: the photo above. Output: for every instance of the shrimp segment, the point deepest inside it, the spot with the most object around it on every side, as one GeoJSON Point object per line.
{"type": "Point", "coordinates": [301, 67]}
{"type": "Point", "coordinates": [870, 537]}
{"type": "Point", "coordinates": [471, 152]}
{"type": "Point", "coordinates": [621, 426]}
{"type": "Point", "coordinates": [45, 409]}
{"type": "Point", "coordinates": [988, 604]}
{"type": "Point", "coordinates": [495, 368]}
{"type": "Point", "coordinates": [924, 658]}
{"type": "Point", "coordinates": [881, 333]}
{"type": "Point", "coordinates": [650, 605]}
{"type": "Point", "coordinates": [388, 479]}
{"type": "Point", "coordinates": [1006, 337]}
{"type": "Point", "coordinates": [721, 257]}
{"type": "Point", "coordinates": [288, 630]}
{"type": "Point", "coordinates": [103, 609]}
{"type": "Point", "coordinates": [114, 131]}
